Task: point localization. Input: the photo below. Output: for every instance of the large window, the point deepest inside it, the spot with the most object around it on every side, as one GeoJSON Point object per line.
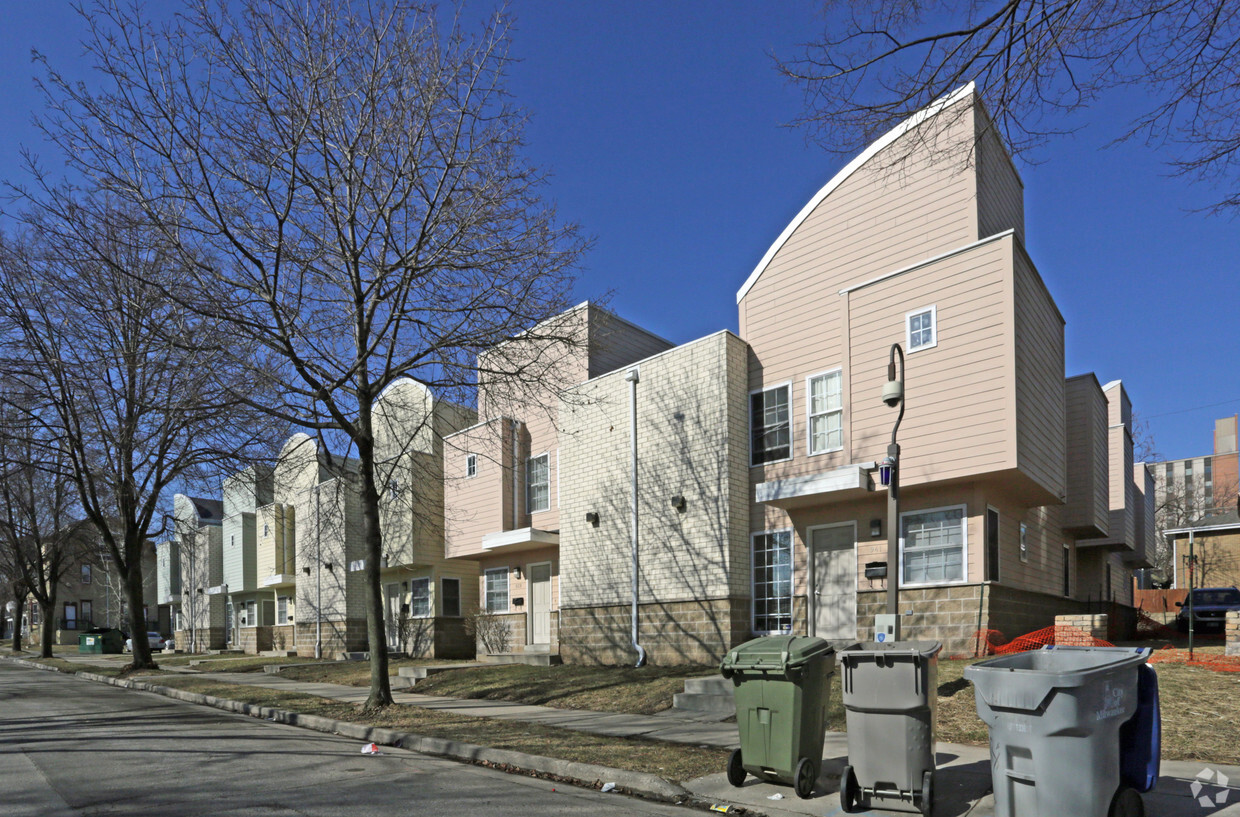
{"type": "Point", "coordinates": [992, 545]}
{"type": "Point", "coordinates": [497, 590]}
{"type": "Point", "coordinates": [769, 426]}
{"type": "Point", "coordinates": [772, 582]}
{"type": "Point", "coordinates": [933, 545]}
{"type": "Point", "coordinates": [451, 589]}
{"type": "Point", "coordinates": [922, 331]}
{"type": "Point", "coordinates": [537, 484]}
{"type": "Point", "coordinates": [826, 412]}
{"type": "Point", "coordinates": [420, 591]}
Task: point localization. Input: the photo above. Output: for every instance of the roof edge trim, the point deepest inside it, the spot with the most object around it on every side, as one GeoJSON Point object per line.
{"type": "Point", "coordinates": [849, 169]}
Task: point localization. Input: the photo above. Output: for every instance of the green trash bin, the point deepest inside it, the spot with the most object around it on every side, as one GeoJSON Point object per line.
{"type": "Point", "coordinates": [101, 640]}
{"type": "Point", "coordinates": [780, 684]}
{"type": "Point", "coordinates": [890, 692]}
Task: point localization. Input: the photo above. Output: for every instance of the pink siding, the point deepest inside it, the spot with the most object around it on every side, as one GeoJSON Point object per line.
{"type": "Point", "coordinates": [476, 506]}
{"type": "Point", "coordinates": [1039, 381]}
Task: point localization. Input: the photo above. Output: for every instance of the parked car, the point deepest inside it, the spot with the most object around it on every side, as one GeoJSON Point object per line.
{"type": "Point", "coordinates": [156, 641]}
{"type": "Point", "coordinates": [1210, 608]}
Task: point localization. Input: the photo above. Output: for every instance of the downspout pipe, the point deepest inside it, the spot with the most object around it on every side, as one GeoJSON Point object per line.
{"type": "Point", "coordinates": [632, 378]}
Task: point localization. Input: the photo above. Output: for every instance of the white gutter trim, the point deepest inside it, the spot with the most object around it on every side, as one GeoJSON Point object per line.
{"type": "Point", "coordinates": [883, 141]}
{"type": "Point", "coordinates": [932, 260]}
{"type": "Point", "coordinates": [1227, 526]}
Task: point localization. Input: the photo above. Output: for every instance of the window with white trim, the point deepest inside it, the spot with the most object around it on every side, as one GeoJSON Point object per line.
{"type": "Point", "coordinates": [451, 601]}
{"type": "Point", "coordinates": [250, 618]}
{"type": "Point", "coordinates": [420, 597]}
{"type": "Point", "coordinates": [283, 616]}
{"type": "Point", "coordinates": [496, 590]}
{"type": "Point", "coordinates": [86, 574]}
{"type": "Point", "coordinates": [932, 546]}
{"type": "Point", "coordinates": [826, 412]}
{"type": "Point", "coordinates": [537, 484]}
{"type": "Point", "coordinates": [921, 329]}
{"type": "Point", "coordinates": [770, 428]}
{"type": "Point", "coordinates": [772, 582]}
{"type": "Point", "coordinates": [471, 465]}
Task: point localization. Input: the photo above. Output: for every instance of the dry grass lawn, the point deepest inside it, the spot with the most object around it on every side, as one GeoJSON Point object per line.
{"type": "Point", "coordinates": [353, 673]}
{"type": "Point", "coordinates": [673, 762]}
{"type": "Point", "coordinates": [642, 691]}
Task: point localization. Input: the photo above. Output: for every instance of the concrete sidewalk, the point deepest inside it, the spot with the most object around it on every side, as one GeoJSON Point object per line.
{"type": "Point", "coordinates": [962, 780]}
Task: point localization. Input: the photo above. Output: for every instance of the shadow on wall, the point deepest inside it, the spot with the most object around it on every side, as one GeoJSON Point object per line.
{"type": "Point", "coordinates": [694, 563]}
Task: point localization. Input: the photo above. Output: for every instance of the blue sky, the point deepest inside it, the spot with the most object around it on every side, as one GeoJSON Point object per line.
{"type": "Point", "coordinates": [663, 126]}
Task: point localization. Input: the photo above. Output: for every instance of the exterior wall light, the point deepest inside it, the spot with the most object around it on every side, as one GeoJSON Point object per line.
{"type": "Point", "coordinates": [679, 503]}
{"type": "Point", "coordinates": [592, 518]}
{"type": "Point", "coordinates": [876, 526]}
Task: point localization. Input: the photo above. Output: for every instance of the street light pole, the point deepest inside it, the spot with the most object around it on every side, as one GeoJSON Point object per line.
{"type": "Point", "coordinates": [887, 627]}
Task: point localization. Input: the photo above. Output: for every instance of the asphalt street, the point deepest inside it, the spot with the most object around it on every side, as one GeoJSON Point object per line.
{"type": "Point", "coordinates": [72, 747]}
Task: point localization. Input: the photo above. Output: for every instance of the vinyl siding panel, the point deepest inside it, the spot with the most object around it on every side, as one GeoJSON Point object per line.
{"type": "Point", "coordinates": [1088, 481]}
{"type": "Point", "coordinates": [1039, 381]}
{"type": "Point", "coordinates": [482, 504]}
{"type": "Point", "coordinates": [614, 342]}
{"type": "Point", "coordinates": [1000, 194]}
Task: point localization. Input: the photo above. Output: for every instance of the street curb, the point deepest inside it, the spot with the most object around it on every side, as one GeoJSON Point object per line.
{"type": "Point", "coordinates": [587, 775]}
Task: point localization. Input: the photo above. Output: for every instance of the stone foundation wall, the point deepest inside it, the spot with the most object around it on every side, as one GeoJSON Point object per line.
{"type": "Point", "coordinates": [255, 639]}
{"type": "Point", "coordinates": [206, 639]}
{"type": "Point", "coordinates": [1080, 630]}
{"type": "Point", "coordinates": [338, 637]}
{"type": "Point", "coordinates": [1232, 629]}
{"type": "Point", "coordinates": [686, 632]}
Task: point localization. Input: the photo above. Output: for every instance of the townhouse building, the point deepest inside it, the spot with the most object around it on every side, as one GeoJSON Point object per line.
{"type": "Point", "coordinates": [752, 504]}
{"type": "Point", "coordinates": [198, 539]}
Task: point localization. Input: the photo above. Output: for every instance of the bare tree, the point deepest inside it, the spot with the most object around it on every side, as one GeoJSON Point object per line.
{"type": "Point", "coordinates": [345, 182]}
{"type": "Point", "coordinates": [1035, 61]}
{"type": "Point", "coordinates": [41, 535]}
{"type": "Point", "coordinates": [128, 389]}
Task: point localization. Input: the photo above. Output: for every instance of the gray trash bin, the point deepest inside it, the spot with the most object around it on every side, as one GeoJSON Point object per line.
{"type": "Point", "coordinates": [889, 693]}
{"type": "Point", "coordinates": [1054, 716]}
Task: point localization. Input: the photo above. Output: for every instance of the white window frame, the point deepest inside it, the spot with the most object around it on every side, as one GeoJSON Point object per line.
{"type": "Point", "coordinates": [486, 590]}
{"type": "Point", "coordinates": [471, 466]}
{"type": "Point", "coordinates": [809, 412]}
{"type": "Point", "coordinates": [430, 600]}
{"type": "Point", "coordinates": [933, 309]}
{"type": "Point", "coordinates": [282, 617]}
{"type": "Point", "coordinates": [787, 384]}
{"type": "Point", "coordinates": [546, 455]}
{"type": "Point", "coordinates": [964, 545]}
{"type": "Point", "coordinates": [443, 597]}
{"type": "Point", "coordinates": [86, 574]}
{"type": "Point", "coordinates": [1024, 542]}
{"type": "Point", "coordinates": [753, 581]}
{"type": "Point", "coordinates": [251, 621]}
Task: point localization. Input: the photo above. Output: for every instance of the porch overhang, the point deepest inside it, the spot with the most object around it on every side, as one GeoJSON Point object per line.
{"type": "Point", "coordinates": [849, 482]}
{"type": "Point", "coordinates": [513, 541]}
{"type": "Point", "coordinates": [218, 590]}
{"type": "Point", "coordinates": [278, 580]}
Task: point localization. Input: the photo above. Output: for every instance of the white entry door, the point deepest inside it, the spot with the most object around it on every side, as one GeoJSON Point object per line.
{"type": "Point", "coordinates": [834, 558]}
{"type": "Point", "coordinates": [392, 591]}
{"type": "Point", "coordinates": [540, 603]}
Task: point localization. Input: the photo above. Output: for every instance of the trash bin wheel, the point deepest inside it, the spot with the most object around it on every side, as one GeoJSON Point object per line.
{"type": "Point", "coordinates": [926, 803]}
{"type": "Point", "coordinates": [848, 790]}
{"type": "Point", "coordinates": [736, 769]}
{"type": "Point", "coordinates": [1127, 803]}
{"type": "Point", "coordinates": [804, 778]}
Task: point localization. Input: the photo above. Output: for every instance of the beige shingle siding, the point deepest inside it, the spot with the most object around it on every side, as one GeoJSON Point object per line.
{"type": "Point", "coordinates": [686, 446]}
{"type": "Point", "coordinates": [482, 504]}
{"type": "Point", "coordinates": [1088, 507]}
{"type": "Point", "coordinates": [1039, 348]}
{"type": "Point", "coordinates": [1000, 193]}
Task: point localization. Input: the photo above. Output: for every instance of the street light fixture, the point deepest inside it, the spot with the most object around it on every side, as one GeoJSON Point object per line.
{"type": "Point", "coordinates": [887, 626]}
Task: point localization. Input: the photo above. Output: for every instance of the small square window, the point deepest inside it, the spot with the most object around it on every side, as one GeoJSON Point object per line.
{"type": "Point", "coordinates": [471, 465]}
{"type": "Point", "coordinates": [921, 329]}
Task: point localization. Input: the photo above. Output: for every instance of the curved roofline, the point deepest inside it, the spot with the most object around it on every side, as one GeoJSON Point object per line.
{"type": "Point", "coordinates": [849, 169]}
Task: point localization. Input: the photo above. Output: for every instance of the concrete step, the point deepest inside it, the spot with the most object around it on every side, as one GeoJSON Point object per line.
{"type": "Point", "coordinates": [399, 682]}
{"type": "Point", "coordinates": [710, 685]}
{"type": "Point", "coordinates": [418, 673]}
{"type": "Point", "coordinates": [723, 705]}
{"type": "Point", "coordinates": [279, 653]}
{"type": "Point", "coordinates": [530, 659]}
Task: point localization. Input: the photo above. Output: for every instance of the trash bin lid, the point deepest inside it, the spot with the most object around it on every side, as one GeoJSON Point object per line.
{"type": "Point", "coordinates": [776, 653]}
{"type": "Point", "coordinates": [904, 649]}
{"type": "Point", "coordinates": [1024, 680]}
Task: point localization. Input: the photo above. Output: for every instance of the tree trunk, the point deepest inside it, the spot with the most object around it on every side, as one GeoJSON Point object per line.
{"type": "Point", "coordinates": [137, 619]}
{"type": "Point", "coordinates": [376, 635]}
{"type": "Point", "coordinates": [19, 608]}
{"type": "Point", "coordinates": [48, 630]}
